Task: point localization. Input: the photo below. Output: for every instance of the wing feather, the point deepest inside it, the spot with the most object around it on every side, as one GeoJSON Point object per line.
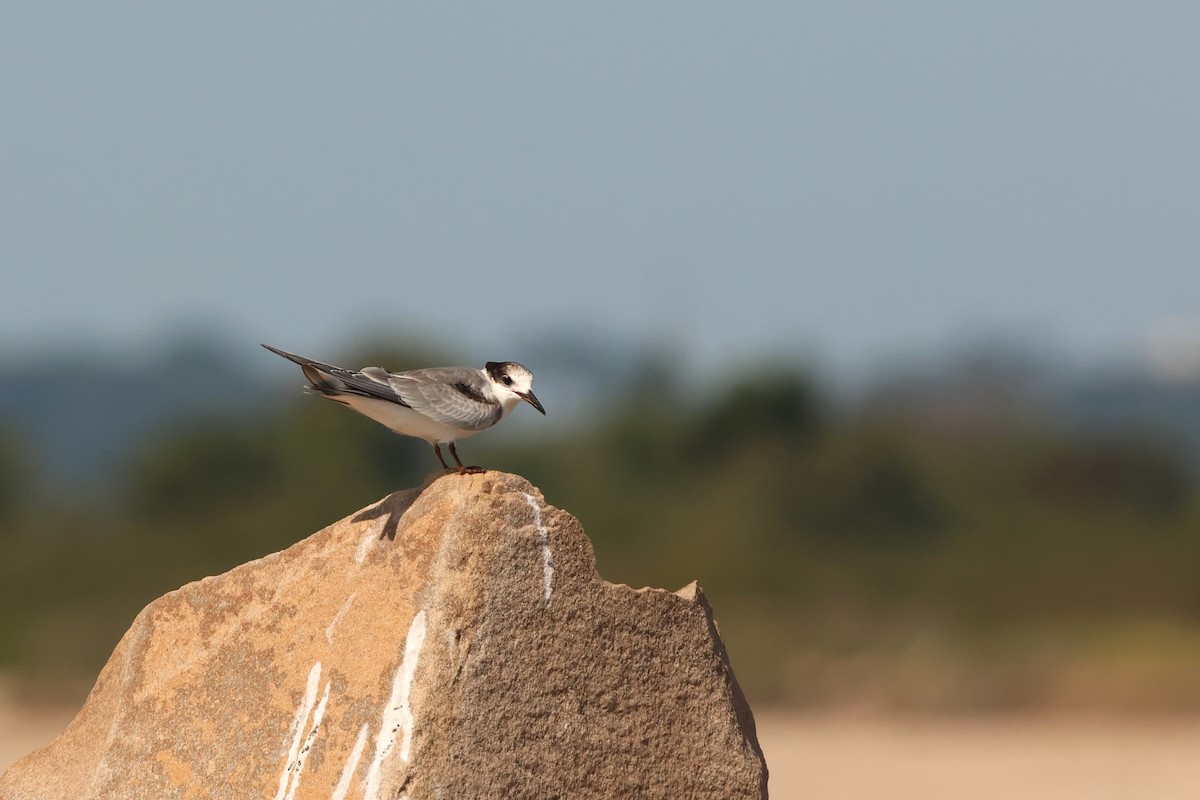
{"type": "Point", "coordinates": [450, 395]}
{"type": "Point", "coordinates": [359, 383]}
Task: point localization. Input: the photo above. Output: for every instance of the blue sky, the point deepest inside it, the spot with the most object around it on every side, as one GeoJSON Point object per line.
{"type": "Point", "coordinates": [844, 180]}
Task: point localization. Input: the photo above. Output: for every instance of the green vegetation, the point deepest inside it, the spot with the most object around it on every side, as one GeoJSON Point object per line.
{"type": "Point", "coordinates": [852, 557]}
{"type": "Point", "coordinates": [14, 478]}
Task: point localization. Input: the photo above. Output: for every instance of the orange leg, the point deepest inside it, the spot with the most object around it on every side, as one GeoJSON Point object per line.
{"type": "Point", "coordinates": [461, 469]}
{"type": "Point", "coordinates": [437, 448]}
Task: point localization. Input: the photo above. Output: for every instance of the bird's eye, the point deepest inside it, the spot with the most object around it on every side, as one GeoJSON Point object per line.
{"type": "Point", "coordinates": [507, 381]}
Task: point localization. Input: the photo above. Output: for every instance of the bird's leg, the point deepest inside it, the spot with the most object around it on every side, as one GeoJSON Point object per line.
{"type": "Point", "coordinates": [461, 469]}
{"type": "Point", "coordinates": [437, 448]}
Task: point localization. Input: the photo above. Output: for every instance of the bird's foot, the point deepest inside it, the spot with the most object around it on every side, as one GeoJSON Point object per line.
{"type": "Point", "coordinates": [471, 470]}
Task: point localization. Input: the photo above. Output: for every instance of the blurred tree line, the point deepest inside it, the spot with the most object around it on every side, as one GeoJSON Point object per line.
{"type": "Point", "coordinates": [863, 556]}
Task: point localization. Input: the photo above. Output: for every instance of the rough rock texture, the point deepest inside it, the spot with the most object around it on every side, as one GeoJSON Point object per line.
{"type": "Point", "coordinates": [453, 641]}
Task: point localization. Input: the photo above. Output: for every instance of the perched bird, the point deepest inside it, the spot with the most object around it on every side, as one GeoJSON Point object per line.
{"type": "Point", "coordinates": [439, 405]}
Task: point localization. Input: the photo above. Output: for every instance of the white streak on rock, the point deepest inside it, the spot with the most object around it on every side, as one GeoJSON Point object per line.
{"type": "Point", "coordinates": [343, 784]}
{"type": "Point", "coordinates": [318, 715]}
{"type": "Point", "coordinates": [297, 729]}
{"type": "Point", "coordinates": [338, 617]}
{"type": "Point", "coordinates": [412, 651]}
{"type": "Point", "coordinates": [367, 543]}
{"type": "Point", "coordinates": [397, 715]}
{"type": "Point", "coordinates": [548, 564]}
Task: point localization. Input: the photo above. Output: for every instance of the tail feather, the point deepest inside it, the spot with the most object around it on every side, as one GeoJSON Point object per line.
{"type": "Point", "coordinates": [301, 360]}
{"type": "Point", "coordinates": [321, 381]}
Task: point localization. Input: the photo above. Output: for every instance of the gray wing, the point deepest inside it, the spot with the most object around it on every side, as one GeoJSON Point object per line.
{"type": "Point", "coordinates": [455, 396]}
{"type": "Point", "coordinates": [331, 381]}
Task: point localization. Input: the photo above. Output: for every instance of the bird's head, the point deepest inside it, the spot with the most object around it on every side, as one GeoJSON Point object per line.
{"type": "Point", "coordinates": [512, 381]}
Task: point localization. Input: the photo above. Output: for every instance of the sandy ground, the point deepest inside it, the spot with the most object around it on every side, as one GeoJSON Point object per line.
{"type": "Point", "coordinates": [26, 728]}
{"type": "Point", "coordinates": [981, 759]}
{"type": "Point", "coordinates": [831, 758]}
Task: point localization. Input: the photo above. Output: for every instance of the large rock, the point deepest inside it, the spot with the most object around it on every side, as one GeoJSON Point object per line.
{"type": "Point", "coordinates": [453, 641]}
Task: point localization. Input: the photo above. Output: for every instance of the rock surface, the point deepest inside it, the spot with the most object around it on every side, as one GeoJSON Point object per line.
{"type": "Point", "coordinates": [452, 641]}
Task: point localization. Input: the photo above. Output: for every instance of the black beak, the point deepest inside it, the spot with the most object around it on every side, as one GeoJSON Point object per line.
{"type": "Point", "coordinates": [530, 398]}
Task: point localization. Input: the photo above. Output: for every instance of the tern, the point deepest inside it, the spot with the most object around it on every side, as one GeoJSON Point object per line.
{"type": "Point", "coordinates": [439, 404]}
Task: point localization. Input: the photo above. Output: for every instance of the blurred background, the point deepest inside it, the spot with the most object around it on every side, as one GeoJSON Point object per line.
{"type": "Point", "coordinates": [881, 321]}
